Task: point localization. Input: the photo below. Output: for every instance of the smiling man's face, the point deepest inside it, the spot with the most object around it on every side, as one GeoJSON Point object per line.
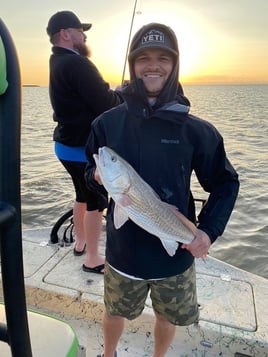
{"type": "Point", "coordinates": [153, 66]}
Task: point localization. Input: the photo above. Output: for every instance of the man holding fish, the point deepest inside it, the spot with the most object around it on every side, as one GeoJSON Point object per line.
{"type": "Point", "coordinates": [143, 153]}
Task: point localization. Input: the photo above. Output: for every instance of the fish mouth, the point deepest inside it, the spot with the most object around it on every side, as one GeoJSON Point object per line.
{"type": "Point", "coordinates": [101, 157]}
{"type": "Point", "coordinates": [102, 163]}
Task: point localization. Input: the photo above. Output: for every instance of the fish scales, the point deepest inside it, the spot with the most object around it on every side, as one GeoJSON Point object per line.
{"type": "Point", "coordinates": [159, 219]}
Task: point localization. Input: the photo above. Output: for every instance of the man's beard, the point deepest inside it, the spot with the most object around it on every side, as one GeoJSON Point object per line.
{"type": "Point", "coordinates": [82, 49]}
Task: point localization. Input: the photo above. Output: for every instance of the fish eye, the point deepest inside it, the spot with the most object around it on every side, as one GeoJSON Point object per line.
{"type": "Point", "coordinates": [113, 158]}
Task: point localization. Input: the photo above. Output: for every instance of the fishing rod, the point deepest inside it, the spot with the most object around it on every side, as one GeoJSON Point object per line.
{"type": "Point", "coordinates": [128, 43]}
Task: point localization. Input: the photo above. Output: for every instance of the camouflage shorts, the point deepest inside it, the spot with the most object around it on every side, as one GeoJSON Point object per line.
{"type": "Point", "coordinates": [173, 298]}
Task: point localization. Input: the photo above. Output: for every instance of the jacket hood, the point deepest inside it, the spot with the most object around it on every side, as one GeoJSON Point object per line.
{"type": "Point", "coordinates": [155, 35]}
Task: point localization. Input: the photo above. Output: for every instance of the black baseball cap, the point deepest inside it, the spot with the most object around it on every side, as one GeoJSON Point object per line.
{"type": "Point", "coordinates": [65, 20]}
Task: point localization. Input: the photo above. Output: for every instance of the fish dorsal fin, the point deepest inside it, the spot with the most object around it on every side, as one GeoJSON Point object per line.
{"type": "Point", "coordinates": [170, 246]}
{"type": "Point", "coordinates": [120, 216]}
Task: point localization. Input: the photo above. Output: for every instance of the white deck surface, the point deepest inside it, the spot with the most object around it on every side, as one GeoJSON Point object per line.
{"type": "Point", "coordinates": [234, 312]}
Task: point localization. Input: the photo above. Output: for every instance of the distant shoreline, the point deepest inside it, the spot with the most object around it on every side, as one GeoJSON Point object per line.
{"type": "Point", "coordinates": [30, 85]}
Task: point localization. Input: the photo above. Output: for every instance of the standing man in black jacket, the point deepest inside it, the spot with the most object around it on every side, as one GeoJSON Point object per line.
{"type": "Point", "coordinates": [164, 143]}
{"type": "Point", "coordinates": [78, 94]}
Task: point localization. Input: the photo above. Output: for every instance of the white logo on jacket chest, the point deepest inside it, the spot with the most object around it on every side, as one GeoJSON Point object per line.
{"type": "Point", "coordinates": [170, 141]}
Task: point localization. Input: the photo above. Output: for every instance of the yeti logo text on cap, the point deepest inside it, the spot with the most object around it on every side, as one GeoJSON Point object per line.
{"type": "Point", "coordinates": [153, 37]}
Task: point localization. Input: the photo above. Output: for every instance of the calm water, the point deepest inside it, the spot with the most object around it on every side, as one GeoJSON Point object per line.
{"type": "Point", "coordinates": [241, 115]}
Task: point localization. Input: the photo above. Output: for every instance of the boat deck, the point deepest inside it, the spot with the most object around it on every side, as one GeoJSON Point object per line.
{"type": "Point", "coordinates": [233, 305]}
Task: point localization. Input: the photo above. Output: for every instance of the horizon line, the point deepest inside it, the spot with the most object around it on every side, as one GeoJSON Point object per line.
{"type": "Point", "coordinates": [182, 82]}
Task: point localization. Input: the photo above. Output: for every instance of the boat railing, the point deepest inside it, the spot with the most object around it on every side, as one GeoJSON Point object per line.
{"type": "Point", "coordinates": [16, 331]}
{"type": "Point", "coordinates": [17, 324]}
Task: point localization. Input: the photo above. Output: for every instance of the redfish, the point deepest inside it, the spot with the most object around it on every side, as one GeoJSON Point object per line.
{"type": "Point", "coordinates": [136, 200]}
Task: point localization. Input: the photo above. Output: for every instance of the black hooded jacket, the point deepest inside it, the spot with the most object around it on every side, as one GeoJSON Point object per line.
{"type": "Point", "coordinates": [78, 95]}
{"type": "Point", "coordinates": [164, 144]}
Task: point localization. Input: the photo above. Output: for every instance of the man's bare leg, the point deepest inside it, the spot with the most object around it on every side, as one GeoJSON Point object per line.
{"type": "Point", "coordinates": [113, 327]}
{"type": "Point", "coordinates": [164, 333]}
{"type": "Point", "coordinates": [79, 210]}
{"type": "Point", "coordinates": [92, 228]}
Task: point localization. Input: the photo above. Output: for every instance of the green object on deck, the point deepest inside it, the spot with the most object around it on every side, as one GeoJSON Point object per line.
{"type": "Point", "coordinates": [3, 70]}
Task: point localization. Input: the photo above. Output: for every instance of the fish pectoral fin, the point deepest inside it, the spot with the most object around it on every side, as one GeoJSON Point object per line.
{"type": "Point", "coordinates": [170, 245]}
{"type": "Point", "coordinates": [120, 217]}
{"type": "Point", "coordinates": [124, 200]}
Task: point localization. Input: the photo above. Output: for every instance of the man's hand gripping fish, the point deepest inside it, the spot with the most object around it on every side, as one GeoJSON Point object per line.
{"type": "Point", "coordinates": [136, 200]}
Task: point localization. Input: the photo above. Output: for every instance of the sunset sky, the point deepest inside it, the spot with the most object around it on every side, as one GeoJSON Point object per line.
{"type": "Point", "coordinates": [220, 41]}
